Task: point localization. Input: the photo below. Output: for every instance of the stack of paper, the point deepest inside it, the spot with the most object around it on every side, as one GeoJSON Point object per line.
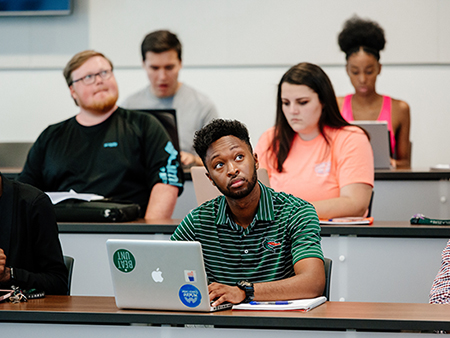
{"type": "Point", "coordinates": [288, 305]}
{"type": "Point", "coordinates": [60, 196]}
{"type": "Point", "coordinates": [437, 167]}
{"type": "Point", "coordinates": [347, 220]}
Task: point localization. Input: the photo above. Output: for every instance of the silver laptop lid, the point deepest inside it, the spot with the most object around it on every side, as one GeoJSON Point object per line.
{"type": "Point", "coordinates": [379, 140]}
{"type": "Point", "coordinates": [158, 275]}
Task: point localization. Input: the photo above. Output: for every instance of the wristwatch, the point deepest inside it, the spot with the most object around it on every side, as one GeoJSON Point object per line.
{"type": "Point", "coordinates": [248, 288]}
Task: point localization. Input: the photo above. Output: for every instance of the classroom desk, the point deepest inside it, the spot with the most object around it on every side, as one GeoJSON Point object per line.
{"type": "Point", "coordinates": [98, 316]}
{"type": "Point", "coordinates": [401, 193]}
{"type": "Point", "coordinates": [384, 262]}
{"type": "Point", "coordinates": [398, 194]}
{"type": "Point", "coordinates": [10, 172]}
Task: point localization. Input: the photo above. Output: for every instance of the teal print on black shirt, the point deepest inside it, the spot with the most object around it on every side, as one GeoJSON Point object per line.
{"type": "Point", "coordinates": [168, 174]}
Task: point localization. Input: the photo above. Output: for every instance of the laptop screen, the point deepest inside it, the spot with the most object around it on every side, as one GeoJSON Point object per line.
{"type": "Point", "coordinates": [379, 140]}
{"type": "Point", "coordinates": [168, 119]}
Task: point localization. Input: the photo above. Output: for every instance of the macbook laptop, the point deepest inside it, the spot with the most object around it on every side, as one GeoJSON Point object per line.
{"type": "Point", "coordinates": [379, 139]}
{"type": "Point", "coordinates": [159, 275]}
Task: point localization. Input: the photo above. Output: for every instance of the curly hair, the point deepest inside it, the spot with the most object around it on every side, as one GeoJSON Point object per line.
{"type": "Point", "coordinates": [217, 129]}
{"type": "Point", "coordinates": [358, 33]}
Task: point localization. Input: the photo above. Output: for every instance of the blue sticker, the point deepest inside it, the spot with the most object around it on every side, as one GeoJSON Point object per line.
{"type": "Point", "coordinates": [190, 295]}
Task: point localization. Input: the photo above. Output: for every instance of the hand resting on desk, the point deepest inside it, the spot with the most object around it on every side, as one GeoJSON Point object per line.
{"type": "Point", "coordinates": [308, 282]}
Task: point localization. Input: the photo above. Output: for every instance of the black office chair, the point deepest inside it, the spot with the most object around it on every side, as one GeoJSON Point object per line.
{"type": "Point", "coordinates": [327, 265]}
{"type": "Point", "coordinates": [68, 261]}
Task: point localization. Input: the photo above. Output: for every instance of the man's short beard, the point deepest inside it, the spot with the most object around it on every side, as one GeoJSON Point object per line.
{"type": "Point", "coordinates": [243, 193]}
{"type": "Point", "coordinates": [103, 106]}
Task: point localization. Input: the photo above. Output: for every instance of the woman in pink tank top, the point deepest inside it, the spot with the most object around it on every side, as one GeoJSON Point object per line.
{"type": "Point", "coordinates": [362, 41]}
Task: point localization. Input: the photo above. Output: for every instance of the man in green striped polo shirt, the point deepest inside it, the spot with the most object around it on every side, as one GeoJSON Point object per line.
{"type": "Point", "coordinates": [257, 243]}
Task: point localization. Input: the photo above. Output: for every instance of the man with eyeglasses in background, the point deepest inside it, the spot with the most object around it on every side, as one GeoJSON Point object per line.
{"type": "Point", "coordinates": [104, 149]}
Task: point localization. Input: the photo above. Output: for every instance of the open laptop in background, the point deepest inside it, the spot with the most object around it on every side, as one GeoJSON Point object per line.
{"type": "Point", "coordinates": [159, 275]}
{"type": "Point", "coordinates": [168, 119]}
{"type": "Point", "coordinates": [379, 139]}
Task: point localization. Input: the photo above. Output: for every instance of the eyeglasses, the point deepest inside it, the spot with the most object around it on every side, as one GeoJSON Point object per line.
{"type": "Point", "coordinates": [90, 78]}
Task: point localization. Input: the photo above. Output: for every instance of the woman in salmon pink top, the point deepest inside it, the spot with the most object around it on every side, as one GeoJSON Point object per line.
{"type": "Point", "coordinates": [312, 152]}
{"type": "Point", "coordinates": [362, 41]}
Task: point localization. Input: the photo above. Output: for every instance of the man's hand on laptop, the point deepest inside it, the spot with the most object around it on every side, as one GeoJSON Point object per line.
{"type": "Point", "coordinates": [220, 293]}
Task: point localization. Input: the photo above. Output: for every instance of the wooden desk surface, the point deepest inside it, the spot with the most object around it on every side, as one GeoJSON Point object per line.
{"type": "Point", "coordinates": [387, 229]}
{"type": "Point", "coordinates": [330, 316]}
{"type": "Point", "coordinates": [378, 229]}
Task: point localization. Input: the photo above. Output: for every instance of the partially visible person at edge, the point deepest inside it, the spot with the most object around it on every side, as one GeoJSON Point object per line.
{"type": "Point", "coordinates": [257, 243]}
{"type": "Point", "coordinates": [440, 290]}
{"type": "Point", "coordinates": [362, 41]}
{"type": "Point", "coordinates": [30, 251]}
{"type": "Point", "coordinates": [161, 59]}
{"type": "Point", "coordinates": [312, 152]}
{"type": "Point", "coordinates": [104, 149]}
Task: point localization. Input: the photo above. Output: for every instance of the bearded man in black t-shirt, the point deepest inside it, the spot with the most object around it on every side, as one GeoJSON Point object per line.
{"type": "Point", "coordinates": [104, 149]}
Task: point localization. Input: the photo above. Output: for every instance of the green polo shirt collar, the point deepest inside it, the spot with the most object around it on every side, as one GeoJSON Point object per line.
{"type": "Point", "coordinates": [264, 213]}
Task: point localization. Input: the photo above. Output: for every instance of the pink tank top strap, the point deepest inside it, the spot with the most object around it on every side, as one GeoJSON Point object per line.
{"type": "Point", "coordinates": [386, 115]}
{"type": "Point", "coordinates": [346, 110]}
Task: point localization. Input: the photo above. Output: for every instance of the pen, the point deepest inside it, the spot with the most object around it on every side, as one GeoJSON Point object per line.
{"type": "Point", "coordinates": [281, 302]}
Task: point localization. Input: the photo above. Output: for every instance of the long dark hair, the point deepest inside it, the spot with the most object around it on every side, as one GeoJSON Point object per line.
{"type": "Point", "coordinates": [315, 78]}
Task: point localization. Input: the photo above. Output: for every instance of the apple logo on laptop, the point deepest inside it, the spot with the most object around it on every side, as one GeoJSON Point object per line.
{"type": "Point", "coordinates": [157, 276]}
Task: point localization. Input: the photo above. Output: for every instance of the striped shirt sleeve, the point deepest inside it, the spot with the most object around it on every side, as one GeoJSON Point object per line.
{"type": "Point", "coordinates": [305, 233]}
{"type": "Point", "coordinates": [185, 230]}
{"type": "Point", "coordinates": [440, 291]}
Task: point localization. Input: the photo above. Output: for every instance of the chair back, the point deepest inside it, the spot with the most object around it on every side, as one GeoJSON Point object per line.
{"type": "Point", "coordinates": [369, 209]}
{"type": "Point", "coordinates": [14, 154]}
{"type": "Point", "coordinates": [327, 265]}
{"type": "Point", "coordinates": [205, 191]}
{"type": "Point", "coordinates": [69, 261]}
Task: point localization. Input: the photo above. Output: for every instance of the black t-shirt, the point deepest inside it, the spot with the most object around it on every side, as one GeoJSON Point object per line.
{"type": "Point", "coordinates": [121, 158]}
{"type": "Point", "coordinates": [29, 237]}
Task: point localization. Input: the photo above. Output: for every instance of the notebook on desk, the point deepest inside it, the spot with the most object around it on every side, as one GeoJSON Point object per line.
{"type": "Point", "coordinates": [159, 275]}
{"type": "Point", "coordinates": [379, 140]}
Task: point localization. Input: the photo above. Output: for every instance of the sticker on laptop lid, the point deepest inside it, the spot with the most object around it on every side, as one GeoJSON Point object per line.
{"type": "Point", "coordinates": [190, 295]}
{"type": "Point", "coordinates": [124, 260]}
{"type": "Point", "coordinates": [190, 276]}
